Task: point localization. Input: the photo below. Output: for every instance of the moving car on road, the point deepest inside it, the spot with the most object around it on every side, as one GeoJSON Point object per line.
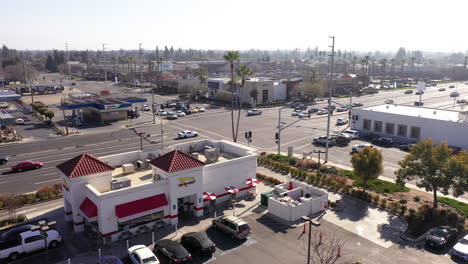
{"type": "Point", "coordinates": [408, 91]}
{"type": "Point", "coordinates": [353, 133]}
{"type": "Point", "coordinates": [171, 116]}
{"type": "Point", "coordinates": [357, 148]}
{"type": "Point", "coordinates": [313, 110]}
{"type": "Point", "coordinates": [417, 103]}
{"type": "Point", "coordinates": [452, 86]}
{"type": "Point", "coordinates": [454, 94]}
{"type": "Point", "coordinates": [28, 242]}
{"type": "Point", "coordinates": [233, 226]}
{"type": "Point", "coordinates": [140, 254]}
{"type": "Point", "coordinates": [357, 104]}
{"type": "Point", "coordinates": [438, 237]}
{"type": "Point", "coordinates": [441, 89]}
{"type": "Point", "coordinates": [389, 101]}
{"type": "Point", "coordinates": [173, 250]}
{"type": "Point", "coordinates": [461, 101]}
{"type": "Point", "coordinates": [383, 141]}
{"type": "Point", "coordinates": [187, 134]}
{"type": "Point", "coordinates": [322, 112]}
{"type": "Point", "coordinates": [27, 165]}
{"type": "Point", "coordinates": [322, 140]}
{"type": "Point", "coordinates": [198, 242]}
{"type": "Point", "coordinates": [3, 160]}
{"type": "Point", "coordinates": [342, 109]}
{"type": "Point", "coordinates": [341, 121]}
{"type": "Point", "coordinates": [461, 248]}
{"type": "Point", "coordinates": [253, 112]}
{"type": "Point", "coordinates": [406, 147]}
{"type": "Point", "coordinates": [19, 121]}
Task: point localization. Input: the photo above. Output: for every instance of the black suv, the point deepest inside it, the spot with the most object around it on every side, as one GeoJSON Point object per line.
{"type": "Point", "coordinates": [383, 141]}
{"type": "Point", "coordinates": [438, 237]}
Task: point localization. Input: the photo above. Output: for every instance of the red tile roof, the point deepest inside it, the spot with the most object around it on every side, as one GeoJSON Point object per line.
{"type": "Point", "coordinates": [89, 208]}
{"type": "Point", "coordinates": [141, 206]}
{"type": "Point", "coordinates": [176, 160]}
{"type": "Point", "coordinates": [83, 165]}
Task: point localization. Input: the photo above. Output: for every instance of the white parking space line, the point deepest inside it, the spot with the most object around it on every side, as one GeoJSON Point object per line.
{"type": "Point", "coordinates": [47, 181]}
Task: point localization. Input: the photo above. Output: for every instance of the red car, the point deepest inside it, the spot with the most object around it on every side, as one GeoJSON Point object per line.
{"type": "Point", "coordinates": [27, 165]}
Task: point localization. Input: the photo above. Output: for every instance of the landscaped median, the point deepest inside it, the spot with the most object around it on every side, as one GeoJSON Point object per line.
{"type": "Point", "coordinates": [12, 202]}
{"type": "Point", "coordinates": [419, 215]}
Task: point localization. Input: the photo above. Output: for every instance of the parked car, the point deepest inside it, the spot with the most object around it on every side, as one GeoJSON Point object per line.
{"type": "Point", "coordinates": [321, 140]}
{"type": "Point", "coordinates": [313, 110]}
{"type": "Point", "coordinates": [332, 107]}
{"type": "Point", "coordinates": [161, 113]}
{"type": "Point", "coordinates": [461, 248]}
{"type": "Point", "coordinates": [173, 250]}
{"type": "Point", "coordinates": [296, 112]}
{"type": "Point", "coordinates": [171, 116]}
{"type": "Point", "coordinates": [342, 109]}
{"type": "Point", "coordinates": [322, 112]}
{"type": "Point", "coordinates": [4, 160]}
{"type": "Point", "coordinates": [19, 121]}
{"type": "Point", "coordinates": [406, 147]}
{"type": "Point", "coordinates": [187, 134]}
{"type": "Point", "coordinates": [439, 236]}
{"type": "Point", "coordinates": [146, 108]}
{"type": "Point", "coordinates": [441, 89]}
{"type": "Point", "coordinates": [454, 94]}
{"type": "Point", "coordinates": [353, 133]}
{"type": "Point", "coordinates": [419, 92]}
{"type": "Point", "coordinates": [300, 107]}
{"type": "Point", "coordinates": [253, 112]}
{"type": "Point", "coordinates": [180, 113]}
{"type": "Point", "coordinates": [383, 141]}
{"type": "Point", "coordinates": [341, 121]}
{"type": "Point", "coordinates": [389, 101]}
{"type": "Point", "coordinates": [132, 114]}
{"type": "Point", "coordinates": [408, 91]}
{"type": "Point", "coordinates": [303, 114]}
{"type": "Point", "coordinates": [417, 103]}
{"type": "Point", "coordinates": [109, 260]}
{"type": "Point", "coordinates": [357, 104]}
{"type": "Point", "coordinates": [26, 165]}
{"type": "Point", "coordinates": [186, 110]}
{"type": "Point", "coordinates": [233, 226]}
{"type": "Point", "coordinates": [199, 243]}
{"type": "Point", "coordinates": [452, 86]}
{"type": "Point", "coordinates": [357, 148]}
{"type": "Point", "coordinates": [141, 254]}
{"type": "Point", "coordinates": [29, 241]}
{"type": "Point", "coordinates": [343, 139]}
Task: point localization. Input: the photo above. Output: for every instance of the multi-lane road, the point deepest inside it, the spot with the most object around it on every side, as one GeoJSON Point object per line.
{"type": "Point", "coordinates": [214, 124]}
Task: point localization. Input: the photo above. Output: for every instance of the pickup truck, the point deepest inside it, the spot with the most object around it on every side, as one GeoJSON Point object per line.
{"type": "Point", "coordinates": [28, 242]}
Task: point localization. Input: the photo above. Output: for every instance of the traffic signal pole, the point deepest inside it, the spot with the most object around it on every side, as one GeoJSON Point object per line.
{"type": "Point", "coordinates": [279, 131]}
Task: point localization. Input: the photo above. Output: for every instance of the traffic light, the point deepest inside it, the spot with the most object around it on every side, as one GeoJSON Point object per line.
{"type": "Point", "coordinates": [276, 137]}
{"type": "Point", "coordinates": [250, 134]}
{"type": "Point", "coordinates": [246, 134]}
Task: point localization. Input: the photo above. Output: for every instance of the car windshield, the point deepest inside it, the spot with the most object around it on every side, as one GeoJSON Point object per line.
{"type": "Point", "coordinates": [464, 241]}
{"type": "Point", "coordinates": [150, 260]}
{"type": "Point", "coordinates": [439, 233]}
{"type": "Point", "coordinates": [243, 227]}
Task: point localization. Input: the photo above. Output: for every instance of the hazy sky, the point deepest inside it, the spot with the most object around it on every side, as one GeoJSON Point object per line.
{"type": "Point", "coordinates": [243, 24]}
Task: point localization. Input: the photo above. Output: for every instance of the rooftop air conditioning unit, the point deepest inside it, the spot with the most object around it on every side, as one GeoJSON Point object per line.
{"type": "Point", "coordinates": [120, 183]}
{"type": "Point", "coordinates": [212, 155]}
{"type": "Point", "coordinates": [128, 168]}
{"type": "Point", "coordinates": [192, 148]}
{"type": "Point", "coordinates": [142, 164]}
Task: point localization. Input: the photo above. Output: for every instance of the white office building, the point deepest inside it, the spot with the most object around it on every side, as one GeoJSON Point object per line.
{"type": "Point", "coordinates": [411, 124]}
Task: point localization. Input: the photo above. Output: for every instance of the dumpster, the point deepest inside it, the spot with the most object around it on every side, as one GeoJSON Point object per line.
{"type": "Point", "coordinates": [264, 198]}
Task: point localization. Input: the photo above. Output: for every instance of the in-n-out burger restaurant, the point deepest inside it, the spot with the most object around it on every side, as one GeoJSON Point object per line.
{"type": "Point", "coordinates": [124, 192]}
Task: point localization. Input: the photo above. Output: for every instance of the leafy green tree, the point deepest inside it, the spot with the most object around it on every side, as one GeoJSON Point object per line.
{"type": "Point", "coordinates": [231, 57]}
{"type": "Point", "coordinates": [367, 165]}
{"type": "Point", "coordinates": [202, 74]}
{"type": "Point", "coordinates": [50, 64]}
{"type": "Point", "coordinates": [458, 169]}
{"type": "Point", "coordinates": [243, 71]}
{"type": "Point", "coordinates": [428, 163]}
{"type": "Point", "coordinates": [49, 114]}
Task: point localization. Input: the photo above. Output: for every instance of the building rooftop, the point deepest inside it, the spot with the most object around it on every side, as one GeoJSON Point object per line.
{"type": "Point", "coordinates": [83, 165]}
{"type": "Point", "coordinates": [423, 112]}
{"type": "Point", "coordinates": [176, 160]}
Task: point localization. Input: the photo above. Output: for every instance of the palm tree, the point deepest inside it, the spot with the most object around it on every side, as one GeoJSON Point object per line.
{"type": "Point", "coordinates": [231, 57]}
{"type": "Point", "coordinates": [243, 71]}
{"type": "Point", "coordinates": [392, 62]}
{"type": "Point", "coordinates": [354, 63]}
{"type": "Point", "coordinates": [202, 74]}
{"type": "Point", "coordinates": [383, 63]}
{"type": "Point", "coordinates": [412, 66]}
{"type": "Point", "coordinates": [150, 65]}
{"type": "Point", "coordinates": [403, 61]}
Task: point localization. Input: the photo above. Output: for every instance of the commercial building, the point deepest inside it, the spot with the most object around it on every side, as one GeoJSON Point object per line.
{"type": "Point", "coordinates": [411, 124]}
{"type": "Point", "coordinates": [261, 90]}
{"type": "Point", "coordinates": [125, 192]}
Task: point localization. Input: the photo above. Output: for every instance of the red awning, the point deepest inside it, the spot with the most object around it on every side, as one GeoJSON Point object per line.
{"type": "Point", "coordinates": [89, 209]}
{"type": "Point", "coordinates": [140, 207]}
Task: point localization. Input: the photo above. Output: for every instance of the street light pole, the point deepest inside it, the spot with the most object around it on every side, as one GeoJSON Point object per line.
{"type": "Point", "coordinates": [68, 62]}
{"type": "Point", "coordinates": [104, 63]}
{"type": "Point", "coordinates": [305, 218]}
{"type": "Point", "coordinates": [152, 106]}
{"type": "Point", "coordinates": [279, 130]}
{"type": "Point", "coordinates": [42, 226]}
{"type": "Point", "coordinates": [327, 143]}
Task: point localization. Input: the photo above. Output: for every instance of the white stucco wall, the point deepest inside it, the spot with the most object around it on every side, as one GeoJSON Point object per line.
{"type": "Point", "coordinates": [279, 91]}
{"type": "Point", "coordinates": [454, 133]}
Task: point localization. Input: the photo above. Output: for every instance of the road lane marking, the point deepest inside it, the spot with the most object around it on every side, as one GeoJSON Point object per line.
{"type": "Point", "coordinates": [3, 182]}
{"type": "Point", "coordinates": [47, 181]}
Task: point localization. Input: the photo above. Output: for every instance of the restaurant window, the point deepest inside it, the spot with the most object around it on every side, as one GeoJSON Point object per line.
{"type": "Point", "coordinates": [415, 132]}
{"type": "Point", "coordinates": [378, 126]}
{"type": "Point", "coordinates": [389, 128]}
{"type": "Point", "coordinates": [367, 124]}
{"type": "Point", "coordinates": [402, 130]}
{"type": "Point", "coordinates": [124, 226]}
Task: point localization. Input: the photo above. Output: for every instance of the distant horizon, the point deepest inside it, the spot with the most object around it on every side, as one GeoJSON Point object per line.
{"type": "Point", "coordinates": [359, 26]}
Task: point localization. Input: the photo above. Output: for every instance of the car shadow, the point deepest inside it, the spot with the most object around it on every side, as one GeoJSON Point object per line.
{"type": "Point", "coordinates": [222, 241]}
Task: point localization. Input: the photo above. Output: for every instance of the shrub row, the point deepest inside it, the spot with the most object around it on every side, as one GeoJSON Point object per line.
{"type": "Point", "coordinates": [460, 206]}
{"type": "Point", "coordinates": [269, 179]}
{"type": "Point", "coordinates": [13, 220]}
{"type": "Point", "coordinates": [43, 193]}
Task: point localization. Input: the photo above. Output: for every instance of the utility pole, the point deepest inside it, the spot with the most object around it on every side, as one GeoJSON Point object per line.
{"type": "Point", "coordinates": [279, 130]}
{"type": "Point", "coordinates": [68, 62]}
{"type": "Point", "coordinates": [141, 73]}
{"type": "Point", "coordinates": [26, 79]}
{"type": "Point", "coordinates": [153, 105]}
{"type": "Point", "coordinates": [327, 144]}
{"type": "Point", "coordinates": [104, 62]}
{"type": "Point", "coordinates": [162, 135]}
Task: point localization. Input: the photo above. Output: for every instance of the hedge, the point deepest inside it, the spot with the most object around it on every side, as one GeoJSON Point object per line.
{"type": "Point", "coordinates": [13, 220]}
{"type": "Point", "coordinates": [45, 192]}
{"type": "Point", "coordinates": [460, 206]}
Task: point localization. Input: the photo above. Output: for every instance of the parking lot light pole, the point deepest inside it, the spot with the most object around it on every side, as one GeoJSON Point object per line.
{"type": "Point", "coordinates": [152, 106]}
{"type": "Point", "coordinates": [104, 62]}
{"type": "Point", "coordinates": [305, 218]}
{"type": "Point", "coordinates": [141, 73]}
{"type": "Point", "coordinates": [42, 226]}
{"type": "Point", "coordinates": [327, 143]}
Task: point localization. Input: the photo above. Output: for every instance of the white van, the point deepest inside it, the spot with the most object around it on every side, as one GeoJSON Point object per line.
{"type": "Point", "coordinates": [353, 133]}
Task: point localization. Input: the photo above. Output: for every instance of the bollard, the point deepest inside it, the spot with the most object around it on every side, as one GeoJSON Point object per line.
{"type": "Point", "coordinates": [99, 253]}
{"type": "Point", "coordinates": [128, 245]}
{"type": "Point", "coordinates": [320, 242]}
{"type": "Point", "coordinates": [339, 252]}
{"type": "Point", "coordinates": [304, 230]}
{"type": "Point", "coordinates": [215, 213]}
{"type": "Point", "coordinates": [152, 237]}
{"type": "Point", "coordinates": [69, 261]}
{"type": "Point", "coordinates": [176, 229]}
